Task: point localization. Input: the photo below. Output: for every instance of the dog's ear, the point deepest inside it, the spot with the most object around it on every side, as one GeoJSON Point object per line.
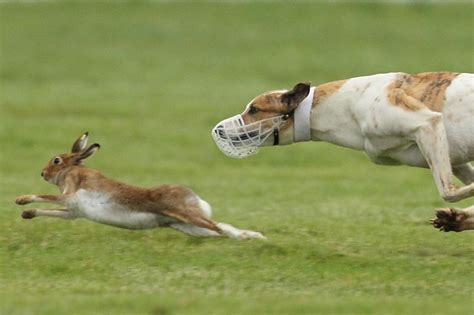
{"type": "Point", "coordinates": [295, 96]}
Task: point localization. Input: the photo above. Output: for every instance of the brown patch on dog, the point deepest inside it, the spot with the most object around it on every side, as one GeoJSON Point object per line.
{"type": "Point", "coordinates": [270, 102]}
{"type": "Point", "coordinates": [323, 91]}
{"type": "Point", "coordinates": [265, 106]}
{"type": "Point", "coordinates": [423, 90]}
{"type": "Point", "coordinates": [401, 99]}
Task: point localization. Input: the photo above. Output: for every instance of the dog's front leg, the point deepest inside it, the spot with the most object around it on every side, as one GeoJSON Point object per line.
{"type": "Point", "coordinates": [433, 143]}
{"type": "Point", "coordinates": [454, 219]}
{"type": "Point", "coordinates": [56, 213]}
{"type": "Point", "coordinates": [26, 199]}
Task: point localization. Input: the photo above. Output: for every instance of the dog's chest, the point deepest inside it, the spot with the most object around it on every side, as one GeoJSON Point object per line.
{"type": "Point", "coordinates": [101, 208]}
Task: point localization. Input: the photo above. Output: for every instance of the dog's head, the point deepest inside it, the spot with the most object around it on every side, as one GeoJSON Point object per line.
{"type": "Point", "coordinates": [267, 120]}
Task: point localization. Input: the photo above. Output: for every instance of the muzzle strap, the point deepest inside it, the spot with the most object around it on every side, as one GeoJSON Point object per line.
{"type": "Point", "coordinates": [302, 124]}
{"type": "Point", "coordinates": [276, 136]}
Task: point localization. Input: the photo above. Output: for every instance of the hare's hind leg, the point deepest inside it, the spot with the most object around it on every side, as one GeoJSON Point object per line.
{"type": "Point", "coordinates": [193, 222]}
{"type": "Point", "coordinates": [233, 232]}
{"type": "Point", "coordinates": [193, 230]}
{"type": "Point", "coordinates": [191, 216]}
{"type": "Point", "coordinates": [224, 228]}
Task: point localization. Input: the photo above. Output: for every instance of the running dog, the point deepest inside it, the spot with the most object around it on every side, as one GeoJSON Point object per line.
{"type": "Point", "coordinates": [423, 120]}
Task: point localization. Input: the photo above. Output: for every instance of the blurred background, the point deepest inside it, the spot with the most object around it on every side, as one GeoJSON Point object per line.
{"type": "Point", "coordinates": [148, 80]}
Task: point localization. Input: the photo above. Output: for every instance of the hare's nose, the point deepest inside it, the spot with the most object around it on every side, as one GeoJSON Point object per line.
{"type": "Point", "coordinates": [42, 173]}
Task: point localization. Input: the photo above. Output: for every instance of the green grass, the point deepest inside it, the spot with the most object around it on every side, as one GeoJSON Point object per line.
{"type": "Point", "coordinates": [148, 81]}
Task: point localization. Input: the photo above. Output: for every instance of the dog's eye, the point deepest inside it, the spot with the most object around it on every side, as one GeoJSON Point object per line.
{"type": "Point", "coordinates": [253, 110]}
{"type": "Point", "coordinates": [56, 161]}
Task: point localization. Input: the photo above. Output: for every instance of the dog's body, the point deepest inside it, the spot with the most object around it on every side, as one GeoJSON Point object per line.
{"type": "Point", "coordinates": [423, 120]}
{"type": "Point", "coordinates": [364, 114]}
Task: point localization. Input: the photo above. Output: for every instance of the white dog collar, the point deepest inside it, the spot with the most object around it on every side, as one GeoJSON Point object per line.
{"type": "Point", "coordinates": [302, 124]}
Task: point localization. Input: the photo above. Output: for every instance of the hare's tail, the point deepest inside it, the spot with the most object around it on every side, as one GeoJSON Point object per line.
{"type": "Point", "coordinates": [206, 208]}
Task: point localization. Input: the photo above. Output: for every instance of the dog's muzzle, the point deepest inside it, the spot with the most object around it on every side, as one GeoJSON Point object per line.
{"type": "Point", "coordinates": [238, 140]}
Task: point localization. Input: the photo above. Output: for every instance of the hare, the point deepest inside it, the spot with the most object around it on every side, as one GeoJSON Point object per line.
{"type": "Point", "coordinates": [87, 193]}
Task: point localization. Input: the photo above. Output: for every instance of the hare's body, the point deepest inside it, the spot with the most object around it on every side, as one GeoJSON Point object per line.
{"type": "Point", "coordinates": [87, 193]}
{"type": "Point", "coordinates": [93, 196]}
{"type": "Point", "coordinates": [102, 208]}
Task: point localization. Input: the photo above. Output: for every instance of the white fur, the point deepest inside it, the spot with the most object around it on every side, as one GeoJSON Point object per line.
{"type": "Point", "coordinates": [205, 207]}
{"type": "Point", "coordinates": [359, 116]}
{"type": "Point", "coordinates": [98, 207]}
{"type": "Point", "coordinates": [458, 115]}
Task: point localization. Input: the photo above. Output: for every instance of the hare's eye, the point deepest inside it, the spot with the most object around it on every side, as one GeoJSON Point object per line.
{"type": "Point", "coordinates": [57, 161]}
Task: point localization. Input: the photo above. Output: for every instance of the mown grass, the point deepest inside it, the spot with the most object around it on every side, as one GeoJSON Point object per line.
{"type": "Point", "coordinates": [148, 81]}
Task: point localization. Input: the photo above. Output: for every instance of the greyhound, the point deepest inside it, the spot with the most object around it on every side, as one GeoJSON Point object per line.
{"type": "Point", "coordinates": [423, 120]}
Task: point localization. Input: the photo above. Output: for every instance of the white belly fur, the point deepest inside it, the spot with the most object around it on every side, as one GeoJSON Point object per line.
{"type": "Point", "coordinates": [98, 207]}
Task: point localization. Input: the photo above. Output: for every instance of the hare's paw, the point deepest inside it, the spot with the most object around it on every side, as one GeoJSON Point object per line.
{"type": "Point", "coordinates": [449, 219]}
{"type": "Point", "coordinates": [28, 214]}
{"type": "Point", "coordinates": [25, 199]}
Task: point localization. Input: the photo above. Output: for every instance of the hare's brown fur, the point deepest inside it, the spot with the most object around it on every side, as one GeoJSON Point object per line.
{"type": "Point", "coordinates": [86, 192]}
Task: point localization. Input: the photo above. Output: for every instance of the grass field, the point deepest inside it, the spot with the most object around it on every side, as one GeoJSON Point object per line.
{"type": "Point", "coordinates": [148, 81]}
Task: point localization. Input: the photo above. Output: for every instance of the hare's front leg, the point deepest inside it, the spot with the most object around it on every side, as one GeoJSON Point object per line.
{"type": "Point", "coordinates": [26, 199]}
{"type": "Point", "coordinates": [55, 213]}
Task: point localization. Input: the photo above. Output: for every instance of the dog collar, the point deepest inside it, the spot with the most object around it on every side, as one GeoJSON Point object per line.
{"type": "Point", "coordinates": [302, 125]}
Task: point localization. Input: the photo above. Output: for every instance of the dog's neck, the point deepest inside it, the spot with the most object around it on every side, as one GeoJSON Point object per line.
{"type": "Point", "coordinates": [301, 122]}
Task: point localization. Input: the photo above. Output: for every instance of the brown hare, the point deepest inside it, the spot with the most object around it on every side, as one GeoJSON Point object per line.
{"type": "Point", "coordinates": [87, 193]}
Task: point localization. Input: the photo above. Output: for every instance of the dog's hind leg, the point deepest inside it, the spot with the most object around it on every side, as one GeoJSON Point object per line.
{"type": "Point", "coordinates": [465, 173]}
{"type": "Point", "coordinates": [454, 219]}
{"type": "Point", "coordinates": [432, 141]}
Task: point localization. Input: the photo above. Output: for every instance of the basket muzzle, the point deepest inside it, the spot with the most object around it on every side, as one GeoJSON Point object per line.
{"type": "Point", "coordinates": [238, 140]}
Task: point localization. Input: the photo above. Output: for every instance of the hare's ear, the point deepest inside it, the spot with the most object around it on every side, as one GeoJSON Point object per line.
{"type": "Point", "coordinates": [93, 148]}
{"type": "Point", "coordinates": [80, 143]}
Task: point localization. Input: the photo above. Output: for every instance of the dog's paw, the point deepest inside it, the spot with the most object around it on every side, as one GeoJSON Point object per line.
{"type": "Point", "coordinates": [24, 200]}
{"type": "Point", "coordinates": [28, 214]}
{"type": "Point", "coordinates": [449, 219]}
